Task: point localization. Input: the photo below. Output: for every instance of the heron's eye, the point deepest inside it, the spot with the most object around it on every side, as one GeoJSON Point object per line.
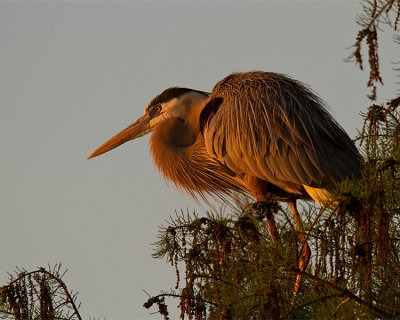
{"type": "Point", "coordinates": [157, 109]}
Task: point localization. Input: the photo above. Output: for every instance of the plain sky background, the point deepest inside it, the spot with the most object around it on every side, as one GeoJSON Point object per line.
{"type": "Point", "coordinates": [73, 73]}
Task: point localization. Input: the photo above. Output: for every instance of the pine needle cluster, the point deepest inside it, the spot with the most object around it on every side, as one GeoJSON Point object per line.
{"type": "Point", "coordinates": [39, 294]}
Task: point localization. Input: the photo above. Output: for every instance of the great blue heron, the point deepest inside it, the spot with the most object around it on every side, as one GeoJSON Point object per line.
{"type": "Point", "coordinates": [258, 133]}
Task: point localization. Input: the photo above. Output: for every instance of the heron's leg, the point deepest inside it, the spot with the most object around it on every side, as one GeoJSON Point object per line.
{"type": "Point", "coordinates": [305, 251]}
{"type": "Point", "coordinates": [261, 191]}
{"type": "Point", "coordinates": [273, 230]}
{"type": "Point", "coordinates": [264, 208]}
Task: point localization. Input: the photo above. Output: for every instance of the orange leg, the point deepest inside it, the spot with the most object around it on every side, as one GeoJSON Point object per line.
{"type": "Point", "coordinates": [272, 229]}
{"type": "Point", "coordinates": [305, 251]}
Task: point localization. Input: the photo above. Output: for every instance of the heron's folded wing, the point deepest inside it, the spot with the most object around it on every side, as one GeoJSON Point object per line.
{"type": "Point", "coordinates": [275, 128]}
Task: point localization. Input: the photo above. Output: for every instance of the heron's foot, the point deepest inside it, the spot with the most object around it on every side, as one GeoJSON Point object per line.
{"type": "Point", "coordinates": [266, 209]}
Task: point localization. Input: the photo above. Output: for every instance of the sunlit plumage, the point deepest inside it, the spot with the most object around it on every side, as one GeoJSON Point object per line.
{"type": "Point", "coordinates": [258, 133]}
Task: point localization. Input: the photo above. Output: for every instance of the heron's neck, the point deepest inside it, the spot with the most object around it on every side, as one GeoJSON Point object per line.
{"type": "Point", "coordinates": [174, 134]}
{"type": "Point", "coordinates": [172, 147]}
{"type": "Point", "coordinates": [179, 152]}
{"type": "Point", "coordinates": [189, 166]}
{"type": "Point", "coordinates": [180, 133]}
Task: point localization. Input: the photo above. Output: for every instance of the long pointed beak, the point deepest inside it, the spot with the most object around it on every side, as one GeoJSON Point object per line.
{"type": "Point", "coordinates": [137, 129]}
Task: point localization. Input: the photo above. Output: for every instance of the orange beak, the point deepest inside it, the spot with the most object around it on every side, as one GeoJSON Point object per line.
{"type": "Point", "coordinates": [137, 129]}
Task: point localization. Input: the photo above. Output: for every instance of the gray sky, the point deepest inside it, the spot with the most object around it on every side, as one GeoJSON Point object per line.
{"type": "Point", "coordinates": [74, 73]}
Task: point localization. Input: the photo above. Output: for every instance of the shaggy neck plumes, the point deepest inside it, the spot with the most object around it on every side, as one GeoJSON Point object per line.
{"type": "Point", "coordinates": [174, 133]}
{"type": "Point", "coordinates": [179, 153]}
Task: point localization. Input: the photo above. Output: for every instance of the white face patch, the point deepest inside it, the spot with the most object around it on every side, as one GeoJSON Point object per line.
{"type": "Point", "coordinates": [170, 109]}
{"type": "Point", "coordinates": [158, 119]}
{"type": "Point", "coordinates": [174, 108]}
{"type": "Point", "coordinates": [180, 108]}
{"type": "Point", "coordinates": [165, 113]}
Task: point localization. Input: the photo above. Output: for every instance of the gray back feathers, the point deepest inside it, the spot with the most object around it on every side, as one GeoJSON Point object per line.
{"type": "Point", "coordinates": [275, 128]}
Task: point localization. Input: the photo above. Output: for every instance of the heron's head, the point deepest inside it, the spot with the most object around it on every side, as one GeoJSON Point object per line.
{"type": "Point", "coordinates": [171, 103]}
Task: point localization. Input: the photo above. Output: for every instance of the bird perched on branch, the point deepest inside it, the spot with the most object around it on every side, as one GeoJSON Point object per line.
{"type": "Point", "coordinates": [258, 133]}
{"type": "Point", "coordinates": [261, 133]}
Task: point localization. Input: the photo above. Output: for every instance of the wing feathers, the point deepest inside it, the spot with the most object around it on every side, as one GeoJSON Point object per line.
{"type": "Point", "coordinates": [275, 128]}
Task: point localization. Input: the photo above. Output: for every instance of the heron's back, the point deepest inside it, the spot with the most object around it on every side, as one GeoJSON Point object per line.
{"type": "Point", "coordinates": [275, 128]}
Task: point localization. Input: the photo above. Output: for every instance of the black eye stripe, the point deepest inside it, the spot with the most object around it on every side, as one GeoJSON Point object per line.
{"type": "Point", "coordinates": [155, 106]}
{"type": "Point", "coordinates": [170, 93]}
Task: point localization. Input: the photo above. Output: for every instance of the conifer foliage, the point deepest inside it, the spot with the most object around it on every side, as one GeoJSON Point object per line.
{"type": "Point", "coordinates": [226, 265]}
{"type": "Point", "coordinates": [39, 294]}
{"type": "Point", "coordinates": [228, 268]}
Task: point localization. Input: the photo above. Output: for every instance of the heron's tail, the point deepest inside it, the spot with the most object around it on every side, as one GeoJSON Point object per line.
{"type": "Point", "coordinates": [321, 195]}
